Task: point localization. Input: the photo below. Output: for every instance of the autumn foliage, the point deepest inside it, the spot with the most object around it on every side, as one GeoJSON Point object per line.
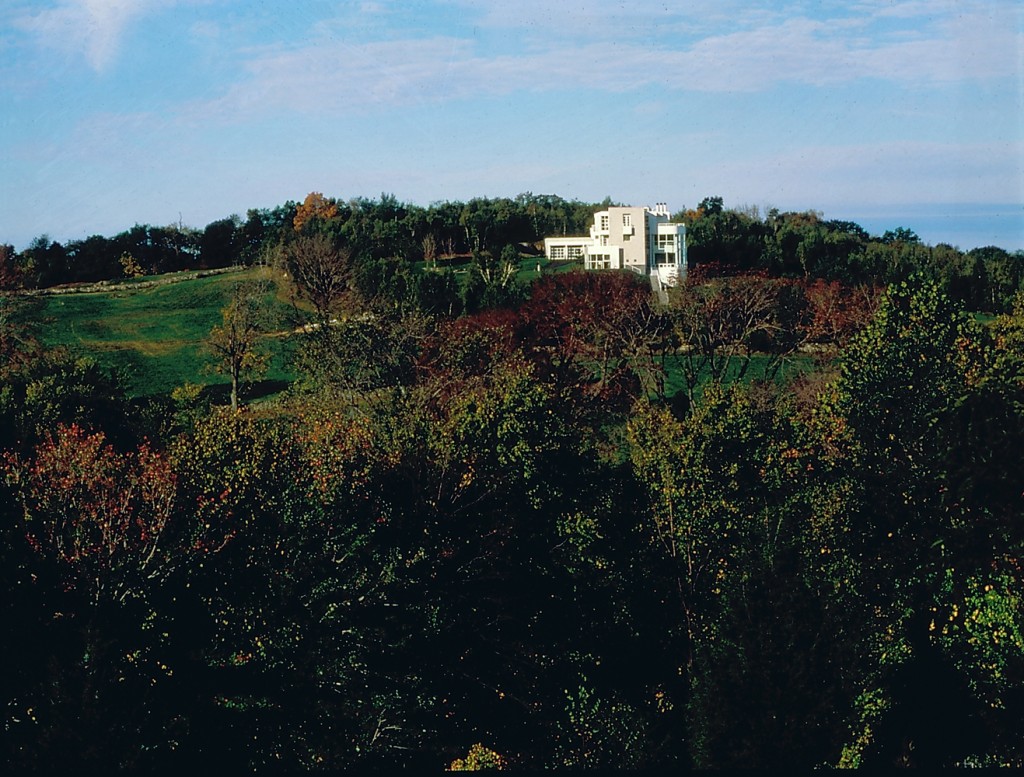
{"type": "Point", "coordinates": [580, 525]}
{"type": "Point", "coordinates": [102, 516]}
{"type": "Point", "coordinates": [315, 206]}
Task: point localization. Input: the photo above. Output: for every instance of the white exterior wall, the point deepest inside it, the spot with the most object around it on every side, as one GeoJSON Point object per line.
{"type": "Point", "coordinates": [563, 248]}
{"type": "Point", "coordinates": [666, 245]}
{"type": "Point", "coordinates": [603, 258]}
{"type": "Point", "coordinates": [633, 238]}
{"type": "Point", "coordinates": [627, 226]}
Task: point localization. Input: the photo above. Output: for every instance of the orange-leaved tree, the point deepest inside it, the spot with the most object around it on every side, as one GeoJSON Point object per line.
{"type": "Point", "coordinates": [315, 206]}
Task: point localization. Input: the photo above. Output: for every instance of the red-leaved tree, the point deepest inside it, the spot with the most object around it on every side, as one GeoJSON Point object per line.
{"type": "Point", "coordinates": [101, 516]}
{"type": "Point", "coordinates": [596, 332]}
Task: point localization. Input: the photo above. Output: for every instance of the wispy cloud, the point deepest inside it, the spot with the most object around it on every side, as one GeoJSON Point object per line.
{"type": "Point", "coordinates": [575, 22]}
{"type": "Point", "coordinates": [911, 9]}
{"type": "Point", "coordinates": [460, 97]}
{"type": "Point", "coordinates": [90, 28]}
{"type": "Point", "coordinates": [968, 47]}
{"type": "Point", "coordinates": [330, 74]}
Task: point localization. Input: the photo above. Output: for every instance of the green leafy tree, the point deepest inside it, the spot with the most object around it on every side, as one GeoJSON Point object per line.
{"type": "Point", "coordinates": [916, 415]}
{"type": "Point", "coordinates": [51, 388]}
{"type": "Point", "coordinates": [361, 360]}
{"type": "Point", "coordinates": [10, 269]}
{"type": "Point", "coordinates": [220, 244]}
{"type": "Point", "coordinates": [236, 342]}
{"type": "Point", "coordinates": [19, 343]}
{"type": "Point", "coordinates": [725, 490]}
{"type": "Point", "coordinates": [492, 282]}
{"type": "Point", "coordinates": [437, 293]}
{"type": "Point", "coordinates": [598, 732]}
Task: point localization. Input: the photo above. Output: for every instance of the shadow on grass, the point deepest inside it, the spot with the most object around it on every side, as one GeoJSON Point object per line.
{"type": "Point", "coordinates": [264, 388]}
{"type": "Point", "coordinates": [220, 393]}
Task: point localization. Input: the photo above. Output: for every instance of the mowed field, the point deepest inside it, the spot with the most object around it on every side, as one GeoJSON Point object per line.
{"type": "Point", "coordinates": [155, 337]}
{"type": "Point", "coordinates": [762, 367]}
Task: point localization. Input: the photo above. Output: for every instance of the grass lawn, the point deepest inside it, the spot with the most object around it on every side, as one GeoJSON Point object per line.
{"type": "Point", "coordinates": [527, 272]}
{"type": "Point", "coordinates": [528, 268]}
{"type": "Point", "coordinates": [794, 366]}
{"type": "Point", "coordinates": [154, 337]}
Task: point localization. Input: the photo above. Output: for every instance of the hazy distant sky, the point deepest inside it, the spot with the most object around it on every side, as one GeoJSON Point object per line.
{"type": "Point", "coordinates": [123, 111]}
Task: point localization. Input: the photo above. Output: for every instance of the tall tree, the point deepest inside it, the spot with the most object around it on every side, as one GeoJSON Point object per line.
{"type": "Point", "coordinates": [10, 271]}
{"type": "Point", "coordinates": [315, 207]}
{"type": "Point", "coordinates": [322, 271]}
{"type": "Point", "coordinates": [236, 341]}
{"type": "Point", "coordinates": [920, 427]}
{"type": "Point", "coordinates": [220, 244]}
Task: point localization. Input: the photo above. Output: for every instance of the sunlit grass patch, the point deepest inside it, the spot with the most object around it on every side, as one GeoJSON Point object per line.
{"type": "Point", "coordinates": [155, 337]}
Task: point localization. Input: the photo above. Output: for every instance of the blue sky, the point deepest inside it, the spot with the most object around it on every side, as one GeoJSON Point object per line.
{"type": "Point", "coordinates": [888, 112]}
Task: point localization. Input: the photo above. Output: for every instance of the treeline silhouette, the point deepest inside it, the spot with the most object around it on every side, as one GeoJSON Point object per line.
{"type": "Point", "coordinates": [731, 240]}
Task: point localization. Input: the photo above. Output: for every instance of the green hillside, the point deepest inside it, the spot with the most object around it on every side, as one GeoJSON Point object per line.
{"type": "Point", "coordinates": [154, 337]}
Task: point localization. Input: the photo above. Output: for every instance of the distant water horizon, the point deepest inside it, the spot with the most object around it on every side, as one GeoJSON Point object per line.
{"type": "Point", "coordinates": [962, 226]}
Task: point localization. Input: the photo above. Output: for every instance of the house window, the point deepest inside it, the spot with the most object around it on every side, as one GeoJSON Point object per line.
{"type": "Point", "coordinates": [558, 252]}
{"type": "Point", "coordinates": [627, 219]}
{"type": "Point", "coordinates": [574, 252]}
{"type": "Point", "coordinates": [604, 240]}
{"type": "Point", "coordinates": [604, 222]}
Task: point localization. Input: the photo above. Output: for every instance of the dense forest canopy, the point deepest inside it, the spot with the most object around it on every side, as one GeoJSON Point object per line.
{"type": "Point", "coordinates": [782, 244]}
{"type": "Point", "coordinates": [511, 519]}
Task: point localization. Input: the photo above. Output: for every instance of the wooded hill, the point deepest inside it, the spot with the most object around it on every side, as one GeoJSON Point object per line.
{"type": "Point", "coordinates": [781, 244]}
{"type": "Point", "coordinates": [528, 522]}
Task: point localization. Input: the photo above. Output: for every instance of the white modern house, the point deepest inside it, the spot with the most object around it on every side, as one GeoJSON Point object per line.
{"type": "Point", "coordinates": [640, 239]}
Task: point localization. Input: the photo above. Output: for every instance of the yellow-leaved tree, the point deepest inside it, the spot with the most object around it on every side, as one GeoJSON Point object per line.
{"type": "Point", "coordinates": [236, 341]}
